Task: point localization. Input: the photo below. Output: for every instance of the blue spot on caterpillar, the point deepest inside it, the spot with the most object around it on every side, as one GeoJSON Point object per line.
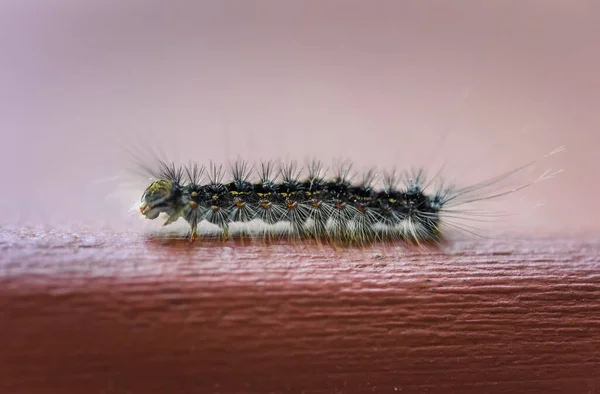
{"type": "Point", "coordinates": [342, 208]}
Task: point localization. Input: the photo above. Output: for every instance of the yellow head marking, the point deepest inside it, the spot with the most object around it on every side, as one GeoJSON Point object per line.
{"type": "Point", "coordinates": [161, 185]}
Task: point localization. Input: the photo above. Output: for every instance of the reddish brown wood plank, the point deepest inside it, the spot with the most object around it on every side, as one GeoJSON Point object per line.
{"type": "Point", "coordinates": [102, 313]}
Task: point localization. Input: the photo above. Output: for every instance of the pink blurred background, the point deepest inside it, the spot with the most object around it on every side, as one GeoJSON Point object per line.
{"type": "Point", "coordinates": [385, 83]}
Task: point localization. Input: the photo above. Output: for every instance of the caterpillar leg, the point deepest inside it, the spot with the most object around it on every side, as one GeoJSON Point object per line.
{"type": "Point", "coordinates": [225, 235]}
{"type": "Point", "coordinates": [194, 234]}
{"type": "Point", "coordinates": [194, 227]}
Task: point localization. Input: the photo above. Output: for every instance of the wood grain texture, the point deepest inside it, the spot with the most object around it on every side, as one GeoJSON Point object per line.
{"type": "Point", "coordinates": [104, 313]}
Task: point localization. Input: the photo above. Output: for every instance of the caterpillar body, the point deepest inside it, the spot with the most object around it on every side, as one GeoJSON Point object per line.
{"type": "Point", "coordinates": [343, 208]}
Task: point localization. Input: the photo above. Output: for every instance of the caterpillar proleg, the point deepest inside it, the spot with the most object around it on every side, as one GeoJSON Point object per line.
{"type": "Point", "coordinates": [340, 205]}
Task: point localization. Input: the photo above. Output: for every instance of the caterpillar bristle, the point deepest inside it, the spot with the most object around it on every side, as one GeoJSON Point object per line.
{"type": "Point", "coordinates": [194, 173]}
{"type": "Point", "coordinates": [266, 173]}
{"type": "Point", "coordinates": [241, 172]}
{"type": "Point", "coordinates": [391, 180]}
{"type": "Point", "coordinates": [343, 172]}
{"type": "Point", "coordinates": [168, 170]}
{"type": "Point", "coordinates": [215, 174]}
{"type": "Point", "coordinates": [290, 174]}
{"type": "Point", "coordinates": [316, 173]}
{"type": "Point", "coordinates": [347, 207]}
{"type": "Point", "coordinates": [368, 179]}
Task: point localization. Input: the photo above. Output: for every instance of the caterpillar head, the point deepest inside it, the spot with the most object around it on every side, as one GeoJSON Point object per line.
{"type": "Point", "coordinates": [159, 197]}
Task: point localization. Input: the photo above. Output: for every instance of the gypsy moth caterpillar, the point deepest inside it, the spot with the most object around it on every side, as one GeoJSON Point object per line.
{"type": "Point", "coordinates": [347, 207]}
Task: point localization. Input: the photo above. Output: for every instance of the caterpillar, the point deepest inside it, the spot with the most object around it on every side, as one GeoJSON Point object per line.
{"type": "Point", "coordinates": [344, 207]}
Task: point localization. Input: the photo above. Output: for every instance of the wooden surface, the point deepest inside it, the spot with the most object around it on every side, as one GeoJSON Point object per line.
{"type": "Point", "coordinates": [102, 313]}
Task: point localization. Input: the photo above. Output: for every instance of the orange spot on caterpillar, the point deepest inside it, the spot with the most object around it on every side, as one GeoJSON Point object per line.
{"type": "Point", "coordinates": [239, 203]}
{"type": "Point", "coordinates": [144, 208]}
